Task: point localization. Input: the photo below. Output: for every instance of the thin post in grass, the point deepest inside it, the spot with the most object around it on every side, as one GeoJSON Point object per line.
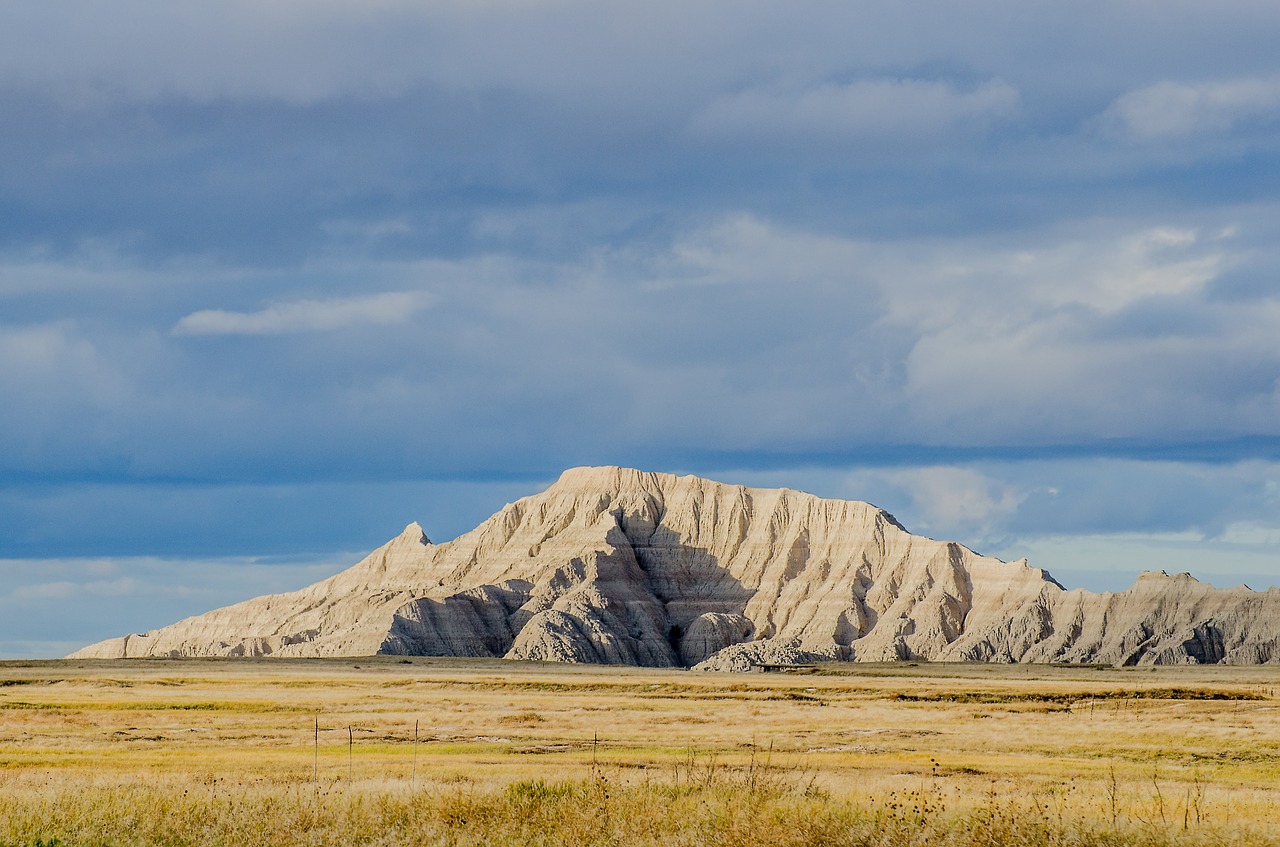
{"type": "Point", "coordinates": [413, 773]}
{"type": "Point", "coordinates": [315, 755]}
{"type": "Point", "coordinates": [1113, 792]}
{"type": "Point", "coordinates": [351, 750]}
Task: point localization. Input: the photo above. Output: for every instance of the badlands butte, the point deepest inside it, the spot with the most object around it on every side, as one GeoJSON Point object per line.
{"type": "Point", "coordinates": [619, 566]}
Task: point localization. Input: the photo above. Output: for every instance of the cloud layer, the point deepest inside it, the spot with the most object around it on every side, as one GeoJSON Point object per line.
{"type": "Point", "coordinates": [269, 250]}
{"type": "Point", "coordinates": [307, 315]}
{"type": "Point", "coordinates": [1171, 110]}
{"type": "Point", "coordinates": [867, 110]}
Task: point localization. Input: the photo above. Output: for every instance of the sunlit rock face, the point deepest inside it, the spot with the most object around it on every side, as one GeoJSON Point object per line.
{"type": "Point", "coordinates": [619, 566]}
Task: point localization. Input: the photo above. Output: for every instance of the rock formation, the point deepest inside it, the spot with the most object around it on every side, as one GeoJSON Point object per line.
{"type": "Point", "coordinates": [620, 566]}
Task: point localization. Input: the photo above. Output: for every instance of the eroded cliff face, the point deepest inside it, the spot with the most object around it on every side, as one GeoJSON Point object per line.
{"type": "Point", "coordinates": [614, 565]}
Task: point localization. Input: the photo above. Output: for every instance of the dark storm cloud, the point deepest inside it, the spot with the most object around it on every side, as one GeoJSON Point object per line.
{"type": "Point", "coordinates": [269, 133]}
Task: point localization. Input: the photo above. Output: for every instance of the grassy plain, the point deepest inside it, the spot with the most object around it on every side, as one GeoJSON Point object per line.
{"type": "Point", "coordinates": [223, 752]}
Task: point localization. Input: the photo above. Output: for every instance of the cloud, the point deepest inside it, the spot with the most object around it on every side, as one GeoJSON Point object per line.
{"type": "Point", "coordinates": [661, 233]}
{"type": "Point", "coordinates": [744, 250]}
{"type": "Point", "coordinates": [990, 502]}
{"type": "Point", "coordinates": [1106, 266]}
{"type": "Point", "coordinates": [900, 110]}
{"type": "Point", "coordinates": [42, 354]}
{"type": "Point", "coordinates": [65, 590]}
{"type": "Point", "coordinates": [1111, 562]}
{"type": "Point", "coordinates": [955, 497]}
{"type": "Point", "coordinates": [1153, 262]}
{"type": "Point", "coordinates": [56, 373]}
{"type": "Point", "coordinates": [127, 520]}
{"type": "Point", "coordinates": [1173, 110]}
{"type": "Point", "coordinates": [308, 315]}
{"type": "Point", "coordinates": [399, 130]}
{"type": "Point", "coordinates": [1106, 332]}
{"type": "Point", "coordinates": [43, 591]}
{"type": "Point", "coordinates": [737, 334]}
{"type": "Point", "coordinates": [150, 592]}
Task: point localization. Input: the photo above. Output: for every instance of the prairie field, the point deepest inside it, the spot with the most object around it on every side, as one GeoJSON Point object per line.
{"type": "Point", "coordinates": [386, 751]}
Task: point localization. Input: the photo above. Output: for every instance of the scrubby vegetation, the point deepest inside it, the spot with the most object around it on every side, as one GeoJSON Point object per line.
{"type": "Point", "coordinates": [727, 807]}
{"type": "Point", "coordinates": [387, 754]}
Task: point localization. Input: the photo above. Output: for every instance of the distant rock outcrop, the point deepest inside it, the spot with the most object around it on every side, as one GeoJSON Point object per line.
{"type": "Point", "coordinates": [620, 566]}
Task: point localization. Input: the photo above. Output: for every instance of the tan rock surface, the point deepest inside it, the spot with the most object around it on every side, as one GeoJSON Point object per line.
{"type": "Point", "coordinates": [615, 565]}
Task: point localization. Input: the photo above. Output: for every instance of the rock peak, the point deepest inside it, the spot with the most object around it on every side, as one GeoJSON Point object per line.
{"type": "Point", "coordinates": [611, 478]}
{"type": "Point", "coordinates": [414, 532]}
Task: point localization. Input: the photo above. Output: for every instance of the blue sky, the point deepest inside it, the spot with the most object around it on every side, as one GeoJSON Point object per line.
{"type": "Point", "coordinates": [278, 278]}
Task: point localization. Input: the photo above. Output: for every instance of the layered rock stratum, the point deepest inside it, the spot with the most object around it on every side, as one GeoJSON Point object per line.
{"type": "Point", "coordinates": [619, 566]}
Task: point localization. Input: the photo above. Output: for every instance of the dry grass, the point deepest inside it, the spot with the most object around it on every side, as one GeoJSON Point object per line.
{"type": "Point", "coordinates": [218, 752]}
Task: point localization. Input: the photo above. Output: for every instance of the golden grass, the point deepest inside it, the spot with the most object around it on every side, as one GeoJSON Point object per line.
{"type": "Point", "coordinates": [225, 752]}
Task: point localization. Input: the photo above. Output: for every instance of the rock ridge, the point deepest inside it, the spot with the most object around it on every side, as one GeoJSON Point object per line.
{"type": "Point", "coordinates": [621, 566]}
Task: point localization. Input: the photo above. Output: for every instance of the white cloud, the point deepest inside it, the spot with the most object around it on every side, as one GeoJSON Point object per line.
{"type": "Point", "coordinates": [1112, 562]}
{"type": "Point", "coordinates": [1251, 533]}
{"type": "Point", "coordinates": [49, 607]}
{"type": "Point", "coordinates": [50, 351]}
{"type": "Point", "coordinates": [742, 333]}
{"type": "Point", "coordinates": [48, 371]}
{"type": "Point", "coordinates": [39, 591]}
{"type": "Point", "coordinates": [1106, 266]}
{"type": "Point", "coordinates": [307, 315]}
{"type": "Point", "coordinates": [887, 108]}
{"type": "Point", "coordinates": [122, 586]}
{"type": "Point", "coordinates": [954, 497]}
{"type": "Point", "coordinates": [1171, 110]}
{"type": "Point", "coordinates": [743, 250]}
{"type": "Point", "coordinates": [1156, 261]}
{"type": "Point", "coordinates": [1106, 331]}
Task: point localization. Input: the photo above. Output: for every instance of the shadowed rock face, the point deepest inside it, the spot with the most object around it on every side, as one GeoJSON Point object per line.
{"type": "Point", "coordinates": [620, 566]}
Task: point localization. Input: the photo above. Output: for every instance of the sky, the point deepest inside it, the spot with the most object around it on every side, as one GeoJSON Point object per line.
{"type": "Point", "coordinates": [278, 278]}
